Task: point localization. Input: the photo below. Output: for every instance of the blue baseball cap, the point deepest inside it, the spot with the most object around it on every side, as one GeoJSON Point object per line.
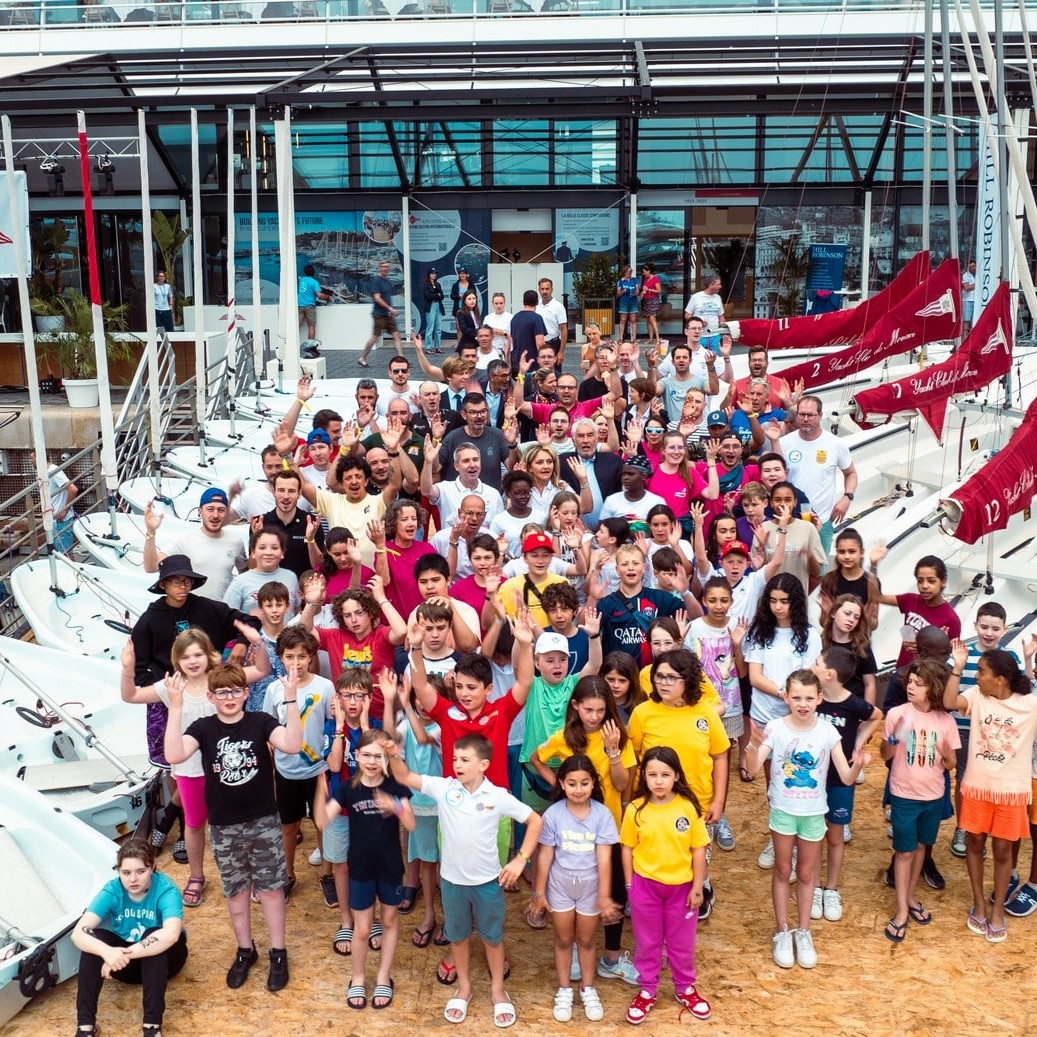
{"type": "Point", "coordinates": [213, 495]}
{"type": "Point", "coordinates": [318, 435]}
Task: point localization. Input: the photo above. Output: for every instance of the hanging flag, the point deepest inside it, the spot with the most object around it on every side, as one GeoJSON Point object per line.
{"type": "Point", "coordinates": [988, 230]}
{"type": "Point", "coordinates": [985, 354]}
{"type": "Point", "coordinates": [929, 314]}
{"type": "Point", "coordinates": [1003, 487]}
{"type": "Point", "coordinates": [832, 329]}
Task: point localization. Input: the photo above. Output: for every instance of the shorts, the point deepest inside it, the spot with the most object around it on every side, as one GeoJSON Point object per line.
{"type": "Point", "coordinates": [915, 822]}
{"type": "Point", "coordinates": [335, 840]}
{"type": "Point", "coordinates": [627, 304]}
{"type": "Point", "coordinates": [383, 324]}
{"type": "Point", "coordinates": [308, 313]}
{"type": "Point", "coordinates": [294, 797]}
{"type": "Point", "coordinates": [734, 725]}
{"type": "Point", "coordinates": [468, 908]}
{"type": "Point", "coordinates": [423, 842]}
{"type": "Point", "coordinates": [569, 890]}
{"type": "Point", "coordinates": [840, 804]}
{"type": "Point", "coordinates": [1033, 801]}
{"type": "Point", "coordinates": [811, 828]}
{"type": "Point", "coordinates": [1000, 820]}
{"type": "Point", "coordinates": [364, 892]}
{"type": "Point", "coordinates": [968, 308]}
{"type": "Point", "coordinates": [192, 798]}
{"type": "Point", "coordinates": [249, 855]}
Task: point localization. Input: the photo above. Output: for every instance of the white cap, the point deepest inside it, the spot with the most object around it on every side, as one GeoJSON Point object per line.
{"type": "Point", "coordinates": [552, 642]}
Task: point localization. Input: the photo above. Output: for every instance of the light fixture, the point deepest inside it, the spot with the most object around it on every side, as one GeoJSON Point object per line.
{"type": "Point", "coordinates": [105, 164]}
{"type": "Point", "coordinates": [54, 171]}
{"type": "Point", "coordinates": [51, 166]}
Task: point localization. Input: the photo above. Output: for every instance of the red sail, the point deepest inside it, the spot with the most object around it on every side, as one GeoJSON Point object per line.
{"type": "Point", "coordinates": [1003, 487]}
{"type": "Point", "coordinates": [985, 355]}
{"type": "Point", "coordinates": [930, 313]}
{"type": "Point", "coordinates": [833, 329]}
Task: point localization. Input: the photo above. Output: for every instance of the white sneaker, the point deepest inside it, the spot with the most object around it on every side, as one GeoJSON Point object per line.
{"type": "Point", "coordinates": [833, 905]}
{"type": "Point", "coordinates": [592, 1007]}
{"type": "Point", "coordinates": [766, 858]}
{"type": "Point", "coordinates": [574, 965]}
{"type": "Point", "coordinates": [805, 953]}
{"type": "Point", "coordinates": [817, 906]}
{"type": "Point", "coordinates": [563, 1008]}
{"type": "Point", "coordinates": [847, 834]}
{"type": "Point", "coordinates": [725, 837]}
{"type": "Point", "coordinates": [315, 858]}
{"type": "Point", "coordinates": [860, 778]}
{"type": "Point", "coordinates": [784, 956]}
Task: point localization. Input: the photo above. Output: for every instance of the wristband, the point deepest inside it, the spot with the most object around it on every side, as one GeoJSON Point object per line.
{"type": "Point", "coordinates": [290, 702]}
{"type": "Point", "coordinates": [391, 454]}
{"type": "Point", "coordinates": [308, 540]}
{"type": "Point", "coordinates": [528, 860]}
{"type": "Point", "coordinates": [593, 637]}
{"type": "Point", "coordinates": [149, 536]}
{"type": "Point", "coordinates": [284, 464]}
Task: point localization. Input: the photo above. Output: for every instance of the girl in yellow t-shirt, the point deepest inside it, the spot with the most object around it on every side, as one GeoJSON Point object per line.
{"type": "Point", "coordinates": [664, 842]}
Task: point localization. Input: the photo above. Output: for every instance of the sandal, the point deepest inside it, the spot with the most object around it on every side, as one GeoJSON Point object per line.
{"type": "Point", "coordinates": [342, 936]}
{"type": "Point", "coordinates": [410, 896]}
{"type": "Point", "coordinates": [504, 1014]}
{"type": "Point", "coordinates": [639, 1008]}
{"type": "Point", "coordinates": [194, 891]}
{"type": "Point", "coordinates": [362, 362]}
{"type": "Point", "coordinates": [383, 992]}
{"type": "Point", "coordinates": [357, 992]}
{"type": "Point", "coordinates": [447, 975]}
{"type": "Point", "coordinates": [376, 934]}
{"type": "Point", "coordinates": [997, 934]}
{"type": "Point", "coordinates": [458, 1005]}
{"type": "Point", "coordinates": [744, 774]}
{"type": "Point", "coordinates": [440, 940]}
{"type": "Point", "coordinates": [895, 933]}
{"type": "Point", "coordinates": [919, 915]}
{"type": "Point", "coordinates": [976, 925]}
{"type": "Point", "coordinates": [180, 851]}
{"type": "Point", "coordinates": [422, 937]}
{"type": "Point", "coordinates": [536, 919]}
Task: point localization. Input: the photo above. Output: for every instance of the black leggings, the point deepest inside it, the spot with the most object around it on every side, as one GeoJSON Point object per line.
{"type": "Point", "coordinates": [614, 931]}
{"type": "Point", "coordinates": [152, 973]}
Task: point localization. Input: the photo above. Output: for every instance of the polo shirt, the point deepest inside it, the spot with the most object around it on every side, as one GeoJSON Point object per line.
{"type": "Point", "coordinates": [493, 721]}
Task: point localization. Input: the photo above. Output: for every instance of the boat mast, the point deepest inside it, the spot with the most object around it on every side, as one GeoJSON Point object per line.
{"type": "Point", "coordinates": [948, 115]}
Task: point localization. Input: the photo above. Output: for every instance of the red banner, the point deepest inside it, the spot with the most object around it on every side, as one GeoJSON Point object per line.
{"type": "Point", "coordinates": [832, 329]}
{"type": "Point", "coordinates": [930, 313]}
{"type": "Point", "coordinates": [985, 355]}
{"type": "Point", "coordinates": [1003, 487]}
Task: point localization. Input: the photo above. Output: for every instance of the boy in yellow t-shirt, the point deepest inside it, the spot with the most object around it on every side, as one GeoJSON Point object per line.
{"type": "Point", "coordinates": [525, 591]}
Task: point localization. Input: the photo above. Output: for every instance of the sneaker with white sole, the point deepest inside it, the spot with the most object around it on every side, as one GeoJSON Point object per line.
{"type": "Point", "coordinates": [847, 834]}
{"type": "Point", "coordinates": [959, 845]}
{"type": "Point", "coordinates": [817, 905]}
{"type": "Point", "coordinates": [563, 1008]}
{"type": "Point", "coordinates": [622, 968]}
{"type": "Point", "coordinates": [766, 858]}
{"type": "Point", "coordinates": [315, 857]}
{"type": "Point", "coordinates": [784, 956]}
{"type": "Point", "coordinates": [1024, 903]}
{"type": "Point", "coordinates": [833, 905]}
{"type": "Point", "coordinates": [860, 779]}
{"type": "Point", "coordinates": [725, 837]}
{"type": "Point", "coordinates": [805, 953]}
{"type": "Point", "coordinates": [574, 964]}
{"type": "Point", "coordinates": [592, 1006]}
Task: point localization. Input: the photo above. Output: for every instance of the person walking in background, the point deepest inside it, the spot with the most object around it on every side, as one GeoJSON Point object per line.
{"type": "Point", "coordinates": [310, 291]}
{"type": "Point", "coordinates": [383, 314]}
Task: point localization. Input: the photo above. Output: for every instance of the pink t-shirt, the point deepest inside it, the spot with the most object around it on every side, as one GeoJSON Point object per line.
{"type": "Point", "coordinates": [923, 741]}
{"type": "Point", "coordinates": [339, 581]}
{"type": "Point", "coordinates": [675, 491]}
{"type": "Point", "coordinates": [583, 409]}
{"type": "Point", "coordinates": [468, 591]}
{"type": "Point", "coordinates": [403, 590]}
{"type": "Point", "coordinates": [917, 614]}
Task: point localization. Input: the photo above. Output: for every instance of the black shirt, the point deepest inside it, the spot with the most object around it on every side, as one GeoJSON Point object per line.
{"type": "Point", "coordinates": [297, 554]}
{"type": "Point", "coordinates": [525, 326]}
{"type": "Point", "coordinates": [374, 840]}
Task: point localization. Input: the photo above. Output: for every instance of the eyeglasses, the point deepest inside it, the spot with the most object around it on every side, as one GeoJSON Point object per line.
{"type": "Point", "coordinates": [353, 696]}
{"type": "Point", "coordinates": [230, 693]}
{"type": "Point", "coordinates": [371, 756]}
{"type": "Point", "coordinates": [179, 581]}
{"type": "Point", "coordinates": [655, 431]}
{"type": "Point", "coordinates": [398, 370]}
{"type": "Point", "coordinates": [667, 678]}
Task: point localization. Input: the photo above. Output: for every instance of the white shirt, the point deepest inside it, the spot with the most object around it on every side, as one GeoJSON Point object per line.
{"type": "Point", "coordinates": [58, 483]}
{"type": "Point", "coordinates": [617, 506]}
{"type": "Point", "coordinates": [778, 660]}
{"type": "Point", "coordinates": [467, 614]}
{"type": "Point", "coordinates": [163, 296]}
{"type": "Point", "coordinates": [708, 306]}
{"type": "Point", "coordinates": [554, 316]}
{"type": "Point", "coordinates": [812, 464]}
{"type": "Point", "coordinates": [441, 542]}
{"type": "Point", "coordinates": [799, 766]}
{"type": "Point", "coordinates": [499, 322]}
{"type": "Point", "coordinates": [381, 407]}
{"type": "Point", "coordinates": [452, 493]}
{"type": "Point", "coordinates": [216, 558]}
{"type": "Point", "coordinates": [483, 360]}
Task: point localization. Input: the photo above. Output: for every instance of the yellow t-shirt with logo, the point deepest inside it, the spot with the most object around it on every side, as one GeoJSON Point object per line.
{"type": "Point", "coordinates": [513, 591]}
{"type": "Point", "coordinates": [695, 733]}
{"type": "Point", "coordinates": [709, 692]}
{"type": "Point", "coordinates": [556, 749]}
{"type": "Point", "coordinates": [662, 837]}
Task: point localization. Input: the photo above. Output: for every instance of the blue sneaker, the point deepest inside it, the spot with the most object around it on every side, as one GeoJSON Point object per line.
{"type": "Point", "coordinates": [1023, 903]}
{"type": "Point", "coordinates": [622, 969]}
{"type": "Point", "coordinates": [1014, 884]}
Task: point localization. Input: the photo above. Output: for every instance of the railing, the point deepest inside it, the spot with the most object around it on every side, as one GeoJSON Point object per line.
{"type": "Point", "coordinates": [26, 14]}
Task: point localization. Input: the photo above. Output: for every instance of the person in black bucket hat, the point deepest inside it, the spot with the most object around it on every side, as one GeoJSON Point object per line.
{"type": "Point", "coordinates": [176, 565]}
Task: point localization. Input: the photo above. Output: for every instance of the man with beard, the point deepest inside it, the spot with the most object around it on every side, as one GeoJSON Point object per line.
{"type": "Point", "coordinates": [494, 445]}
{"type": "Point", "coordinates": [400, 387]}
{"type": "Point", "coordinates": [301, 529]}
{"type": "Point", "coordinates": [780, 395]}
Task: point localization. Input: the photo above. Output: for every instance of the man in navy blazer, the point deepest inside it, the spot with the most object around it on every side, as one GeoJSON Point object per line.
{"type": "Point", "coordinates": [603, 469]}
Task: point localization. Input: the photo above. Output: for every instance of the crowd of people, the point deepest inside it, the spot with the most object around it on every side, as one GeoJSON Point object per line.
{"type": "Point", "coordinates": [512, 626]}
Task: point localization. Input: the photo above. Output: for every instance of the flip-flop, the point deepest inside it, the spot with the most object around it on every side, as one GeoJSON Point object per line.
{"type": "Point", "coordinates": [446, 974]}
{"type": "Point", "coordinates": [744, 774]}
{"type": "Point", "coordinates": [919, 915]}
{"type": "Point", "coordinates": [536, 919]}
{"type": "Point", "coordinates": [422, 937]}
{"type": "Point", "coordinates": [343, 936]}
{"type": "Point", "coordinates": [440, 940]}
{"type": "Point", "coordinates": [456, 1004]}
{"type": "Point", "coordinates": [997, 934]}
{"type": "Point", "coordinates": [385, 991]}
{"type": "Point", "coordinates": [501, 1009]}
{"type": "Point", "coordinates": [363, 363]}
{"type": "Point", "coordinates": [377, 932]}
{"type": "Point", "coordinates": [976, 925]}
{"type": "Point", "coordinates": [410, 896]}
{"type": "Point", "coordinates": [895, 933]}
{"type": "Point", "coordinates": [357, 992]}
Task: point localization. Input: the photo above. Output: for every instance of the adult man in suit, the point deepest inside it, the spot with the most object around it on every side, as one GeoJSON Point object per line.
{"type": "Point", "coordinates": [602, 469]}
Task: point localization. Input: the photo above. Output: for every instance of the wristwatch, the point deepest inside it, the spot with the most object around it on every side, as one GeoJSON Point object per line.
{"type": "Point", "coordinates": [848, 495]}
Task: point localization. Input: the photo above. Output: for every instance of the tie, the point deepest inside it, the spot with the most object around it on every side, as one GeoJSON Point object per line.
{"type": "Point", "coordinates": [457, 401]}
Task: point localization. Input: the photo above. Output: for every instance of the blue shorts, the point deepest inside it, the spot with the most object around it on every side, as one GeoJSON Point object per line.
{"type": "Point", "coordinates": [840, 804]}
{"type": "Point", "coordinates": [335, 840]}
{"type": "Point", "coordinates": [364, 892]}
{"type": "Point", "coordinates": [968, 308]}
{"type": "Point", "coordinates": [423, 842]}
{"type": "Point", "coordinates": [628, 304]}
{"type": "Point", "coordinates": [468, 908]}
{"type": "Point", "coordinates": [915, 822]}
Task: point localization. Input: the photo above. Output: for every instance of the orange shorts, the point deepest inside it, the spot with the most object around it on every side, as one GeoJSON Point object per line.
{"type": "Point", "coordinates": [1033, 801]}
{"type": "Point", "coordinates": [1001, 820]}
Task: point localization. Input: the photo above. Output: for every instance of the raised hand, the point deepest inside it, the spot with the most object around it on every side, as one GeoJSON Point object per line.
{"type": "Point", "coordinates": [772, 431]}
{"type": "Point", "coordinates": [738, 631]}
{"type": "Point", "coordinates": [591, 624]}
{"type": "Point", "coordinates": [152, 518]}
{"type": "Point", "coordinates": [284, 441]}
{"type": "Point", "coordinates": [353, 555]}
{"type": "Point", "coordinates": [387, 685]}
{"type": "Point", "coordinates": [438, 426]}
{"type": "Point", "coordinates": [641, 541]}
{"type": "Point", "coordinates": [608, 408]}
{"type": "Point", "coordinates": [572, 538]}
{"type": "Point", "coordinates": [543, 434]}
{"type": "Point", "coordinates": [306, 388]}
{"type": "Point", "coordinates": [959, 653]}
{"type": "Point", "coordinates": [377, 588]}
{"type": "Point", "coordinates": [712, 450]}
{"type": "Point", "coordinates": [610, 735]}
{"type": "Point", "coordinates": [315, 589]}
{"type": "Point", "coordinates": [745, 405]}
{"type": "Point", "coordinates": [312, 525]}
{"type": "Point", "coordinates": [680, 617]}
{"type": "Point", "coordinates": [522, 627]}
{"type": "Point", "coordinates": [350, 434]}
{"type": "Point", "coordinates": [578, 468]}
{"type": "Point", "coordinates": [128, 657]}
{"type": "Point", "coordinates": [525, 363]}
{"type": "Point", "coordinates": [393, 435]}
{"type": "Point", "coordinates": [415, 634]}
{"type": "Point", "coordinates": [376, 532]}
{"type": "Point", "coordinates": [494, 578]}
{"type": "Point", "coordinates": [877, 552]}
{"type": "Point", "coordinates": [249, 633]}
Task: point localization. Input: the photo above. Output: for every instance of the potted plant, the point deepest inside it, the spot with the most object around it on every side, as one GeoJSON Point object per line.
{"type": "Point", "coordinates": [72, 350]}
{"type": "Point", "coordinates": [48, 242]}
{"type": "Point", "coordinates": [594, 284]}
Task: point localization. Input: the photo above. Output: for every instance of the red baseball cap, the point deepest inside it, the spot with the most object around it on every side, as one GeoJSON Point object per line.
{"type": "Point", "coordinates": [734, 545]}
{"type": "Point", "coordinates": [537, 540]}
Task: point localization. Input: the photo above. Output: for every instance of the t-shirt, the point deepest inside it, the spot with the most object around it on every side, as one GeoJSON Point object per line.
{"type": "Point", "coordinates": [545, 711]}
{"type": "Point", "coordinates": [576, 839]}
{"type": "Point", "coordinates": [403, 590]}
{"type": "Point", "coordinates": [774, 400]}
{"type": "Point", "coordinates": [695, 733]}
{"type": "Point", "coordinates": [522, 588]}
{"type": "Point", "coordinates": [314, 702]}
{"type": "Point", "coordinates": [525, 326]}
{"type": "Point", "coordinates": [802, 545]}
{"type": "Point", "coordinates": [339, 510]}
{"type": "Point", "coordinates": [625, 621]}
{"type": "Point", "coordinates": [554, 316]}
{"type": "Point", "coordinates": [194, 708]}
{"type": "Point", "coordinates": [131, 919]}
{"type": "Point", "coordinates": [556, 748]}
{"type": "Point", "coordinates": [374, 840]}
{"type": "Point", "coordinates": [675, 491]}
{"type": "Point", "coordinates": [923, 741]}
{"type": "Point", "coordinates": [812, 464]}
{"type": "Point", "coordinates": [452, 493]}
{"type": "Point", "coordinates": [162, 295]}
{"type": "Point", "coordinates": [716, 652]}
{"type": "Point", "coordinates": [492, 721]}
{"type": "Point", "coordinates": [469, 823]}
{"type": "Point", "coordinates": [493, 449]}
{"type": "Point", "coordinates": [501, 324]}
{"type": "Point", "coordinates": [373, 653]}
{"type": "Point", "coordinates": [674, 391]}
{"type": "Point", "coordinates": [381, 287]}
{"type": "Point", "coordinates": [308, 289]}
{"type": "Point", "coordinates": [511, 527]}
{"type": "Point", "coordinates": [421, 758]}
{"type": "Point", "coordinates": [778, 660]}
{"type": "Point", "coordinates": [746, 594]}
{"type": "Point", "coordinates": [618, 505]}
{"type": "Point", "coordinates": [866, 666]}
{"type": "Point", "coordinates": [239, 768]}
{"type": "Point", "coordinates": [216, 558]}
{"type": "Point", "coordinates": [243, 592]}
{"type": "Point", "coordinates": [707, 305]}
{"type": "Point", "coordinates": [846, 717]}
{"type": "Point", "coordinates": [662, 836]}
{"type": "Point", "coordinates": [918, 614]}
{"type": "Point", "coordinates": [1000, 746]}
{"type": "Point", "coordinates": [799, 764]}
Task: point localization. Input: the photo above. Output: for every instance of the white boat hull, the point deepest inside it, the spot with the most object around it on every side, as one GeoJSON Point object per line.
{"type": "Point", "coordinates": [125, 551]}
{"type": "Point", "coordinates": [177, 494]}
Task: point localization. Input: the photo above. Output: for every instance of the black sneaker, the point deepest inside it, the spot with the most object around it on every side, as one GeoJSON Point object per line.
{"type": "Point", "coordinates": [243, 962]}
{"type": "Point", "coordinates": [932, 875]}
{"type": "Point", "coordinates": [289, 887]}
{"type": "Point", "coordinates": [708, 900]}
{"type": "Point", "coordinates": [327, 887]}
{"type": "Point", "coordinates": [278, 978]}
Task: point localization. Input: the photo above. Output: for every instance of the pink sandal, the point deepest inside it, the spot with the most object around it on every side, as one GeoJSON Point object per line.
{"type": "Point", "coordinates": [641, 1005]}
{"type": "Point", "coordinates": [194, 891]}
